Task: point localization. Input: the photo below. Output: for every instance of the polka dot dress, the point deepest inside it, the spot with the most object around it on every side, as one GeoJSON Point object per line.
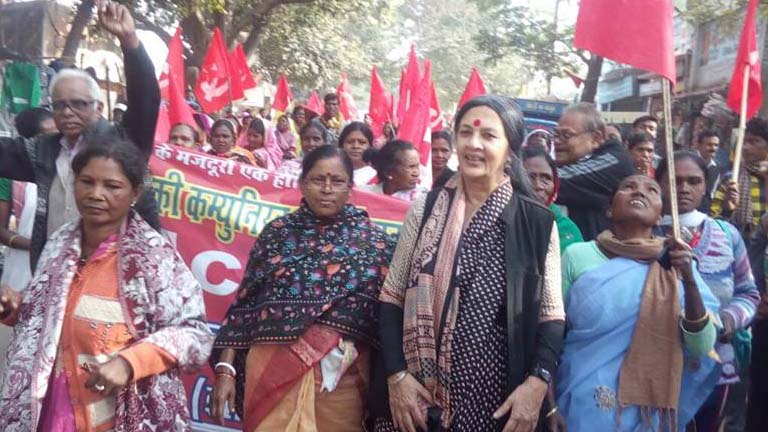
{"type": "Point", "coordinates": [478, 376]}
{"type": "Point", "coordinates": [479, 373]}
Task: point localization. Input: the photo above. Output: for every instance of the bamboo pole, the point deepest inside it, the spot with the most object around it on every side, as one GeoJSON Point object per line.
{"type": "Point", "coordinates": [670, 154]}
{"type": "Point", "coordinates": [742, 126]}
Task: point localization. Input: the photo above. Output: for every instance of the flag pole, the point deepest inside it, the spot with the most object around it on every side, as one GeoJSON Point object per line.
{"type": "Point", "coordinates": [670, 154]}
{"type": "Point", "coordinates": [742, 125]}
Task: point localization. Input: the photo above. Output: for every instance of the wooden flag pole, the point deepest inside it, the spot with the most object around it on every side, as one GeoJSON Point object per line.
{"type": "Point", "coordinates": [670, 154]}
{"type": "Point", "coordinates": [742, 126]}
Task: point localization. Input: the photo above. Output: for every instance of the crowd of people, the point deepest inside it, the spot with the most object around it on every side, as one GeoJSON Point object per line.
{"type": "Point", "coordinates": [536, 283]}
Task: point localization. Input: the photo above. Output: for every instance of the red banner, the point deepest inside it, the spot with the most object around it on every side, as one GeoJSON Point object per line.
{"type": "Point", "coordinates": [212, 209]}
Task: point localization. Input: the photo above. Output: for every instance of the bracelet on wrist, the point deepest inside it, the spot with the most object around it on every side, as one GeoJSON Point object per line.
{"type": "Point", "coordinates": [551, 412]}
{"type": "Point", "coordinates": [396, 378]}
{"type": "Point", "coordinates": [226, 366]}
{"type": "Point", "coordinates": [10, 241]}
{"type": "Point", "coordinates": [704, 318]}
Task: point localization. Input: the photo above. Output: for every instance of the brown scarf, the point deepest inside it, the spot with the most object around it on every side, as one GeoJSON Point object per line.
{"type": "Point", "coordinates": [651, 373]}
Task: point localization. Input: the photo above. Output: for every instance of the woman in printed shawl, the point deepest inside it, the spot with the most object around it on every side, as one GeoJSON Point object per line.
{"type": "Point", "coordinates": [293, 351]}
{"type": "Point", "coordinates": [471, 316]}
{"type": "Point", "coordinates": [110, 318]}
{"type": "Point", "coordinates": [641, 324]}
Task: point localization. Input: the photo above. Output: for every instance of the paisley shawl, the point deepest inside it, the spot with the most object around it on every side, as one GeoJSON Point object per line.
{"type": "Point", "coordinates": [165, 307]}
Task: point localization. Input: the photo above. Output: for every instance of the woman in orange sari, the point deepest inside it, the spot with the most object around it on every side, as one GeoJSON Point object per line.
{"type": "Point", "coordinates": [292, 353]}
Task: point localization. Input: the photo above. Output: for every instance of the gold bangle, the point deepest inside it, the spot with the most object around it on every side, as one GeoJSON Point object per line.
{"type": "Point", "coordinates": [551, 412]}
{"type": "Point", "coordinates": [697, 321]}
{"type": "Point", "coordinates": [221, 374]}
{"type": "Point", "coordinates": [10, 241]}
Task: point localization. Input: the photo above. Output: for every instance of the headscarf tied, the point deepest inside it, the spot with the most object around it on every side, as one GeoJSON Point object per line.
{"type": "Point", "coordinates": [651, 372]}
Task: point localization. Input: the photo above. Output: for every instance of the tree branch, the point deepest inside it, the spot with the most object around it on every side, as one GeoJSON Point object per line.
{"type": "Point", "coordinates": [260, 10]}
{"type": "Point", "coordinates": [145, 24]}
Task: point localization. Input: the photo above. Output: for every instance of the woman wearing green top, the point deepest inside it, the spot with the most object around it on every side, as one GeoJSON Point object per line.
{"type": "Point", "coordinates": [543, 175]}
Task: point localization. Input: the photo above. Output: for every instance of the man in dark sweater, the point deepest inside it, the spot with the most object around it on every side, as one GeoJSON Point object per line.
{"type": "Point", "coordinates": [76, 102]}
{"type": "Point", "coordinates": [590, 167]}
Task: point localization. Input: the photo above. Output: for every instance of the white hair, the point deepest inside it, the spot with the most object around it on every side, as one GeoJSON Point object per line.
{"type": "Point", "coordinates": [70, 74]}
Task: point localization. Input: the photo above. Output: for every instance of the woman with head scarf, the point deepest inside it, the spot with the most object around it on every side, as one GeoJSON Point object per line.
{"type": "Point", "coordinates": [472, 318]}
{"type": "Point", "coordinates": [261, 142]}
{"type": "Point", "coordinates": [542, 172]}
{"type": "Point", "coordinates": [223, 136]}
{"type": "Point", "coordinates": [284, 137]}
{"type": "Point", "coordinates": [638, 353]}
{"type": "Point", "coordinates": [293, 351]}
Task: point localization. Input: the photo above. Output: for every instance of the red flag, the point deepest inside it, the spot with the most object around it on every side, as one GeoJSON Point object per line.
{"type": "Point", "coordinates": [637, 33]}
{"type": "Point", "coordinates": [241, 73]}
{"type": "Point", "coordinates": [475, 87]}
{"type": "Point", "coordinates": [409, 81]}
{"type": "Point", "coordinates": [415, 124]}
{"type": "Point", "coordinates": [347, 106]}
{"type": "Point", "coordinates": [314, 104]}
{"type": "Point", "coordinates": [380, 107]}
{"type": "Point", "coordinates": [163, 127]}
{"type": "Point", "coordinates": [213, 89]}
{"type": "Point", "coordinates": [283, 95]}
{"type": "Point", "coordinates": [435, 114]}
{"type": "Point", "coordinates": [175, 108]}
{"type": "Point", "coordinates": [748, 55]}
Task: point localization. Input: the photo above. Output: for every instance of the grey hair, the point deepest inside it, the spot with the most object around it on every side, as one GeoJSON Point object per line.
{"type": "Point", "coordinates": [593, 121]}
{"type": "Point", "coordinates": [70, 74]}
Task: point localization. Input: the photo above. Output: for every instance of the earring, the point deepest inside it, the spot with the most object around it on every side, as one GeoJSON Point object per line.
{"type": "Point", "coordinates": [133, 204]}
{"type": "Point", "coordinates": [389, 177]}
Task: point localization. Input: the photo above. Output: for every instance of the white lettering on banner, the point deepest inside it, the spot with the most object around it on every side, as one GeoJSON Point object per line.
{"type": "Point", "coordinates": [200, 265]}
{"type": "Point", "coordinates": [163, 151]}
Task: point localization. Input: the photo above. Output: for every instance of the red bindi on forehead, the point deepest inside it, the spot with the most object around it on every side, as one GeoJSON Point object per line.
{"type": "Point", "coordinates": [477, 123]}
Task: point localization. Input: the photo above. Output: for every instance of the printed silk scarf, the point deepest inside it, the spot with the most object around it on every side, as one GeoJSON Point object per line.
{"type": "Point", "coordinates": [431, 298]}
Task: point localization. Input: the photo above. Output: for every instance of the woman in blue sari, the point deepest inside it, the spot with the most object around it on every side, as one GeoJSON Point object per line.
{"type": "Point", "coordinates": [641, 324]}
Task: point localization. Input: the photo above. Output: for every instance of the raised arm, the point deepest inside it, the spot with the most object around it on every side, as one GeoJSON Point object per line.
{"type": "Point", "coordinates": [142, 89]}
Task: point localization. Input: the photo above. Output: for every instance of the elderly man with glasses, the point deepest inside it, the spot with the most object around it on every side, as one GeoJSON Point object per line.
{"type": "Point", "coordinates": [77, 107]}
{"type": "Point", "coordinates": [590, 167]}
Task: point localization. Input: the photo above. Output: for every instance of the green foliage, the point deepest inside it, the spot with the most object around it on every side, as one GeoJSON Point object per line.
{"type": "Point", "coordinates": [729, 11]}
{"type": "Point", "coordinates": [515, 31]}
{"type": "Point", "coordinates": [443, 32]}
{"type": "Point", "coordinates": [312, 44]}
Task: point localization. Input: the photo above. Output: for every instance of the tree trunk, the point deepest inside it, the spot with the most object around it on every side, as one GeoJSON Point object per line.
{"type": "Point", "coordinates": [252, 41]}
{"type": "Point", "coordinates": [197, 35]}
{"type": "Point", "coordinates": [594, 70]}
{"type": "Point", "coordinates": [82, 18]}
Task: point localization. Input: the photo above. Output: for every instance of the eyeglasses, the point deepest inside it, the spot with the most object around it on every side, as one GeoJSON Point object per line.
{"type": "Point", "coordinates": [566, 136]}
{"type": "Point", "coordinates": [335, 183]}
{"type": "Point", "coordinates": [79, 105]}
